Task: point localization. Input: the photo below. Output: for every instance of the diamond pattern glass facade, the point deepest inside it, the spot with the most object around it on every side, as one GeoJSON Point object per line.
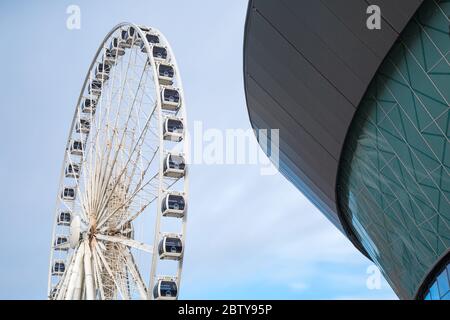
{"type": "Point", "coordinates": [394, 179]}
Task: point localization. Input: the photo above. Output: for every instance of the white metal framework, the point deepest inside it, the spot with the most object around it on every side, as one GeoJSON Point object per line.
{"type": "Point", "coordinates": [122, 160]}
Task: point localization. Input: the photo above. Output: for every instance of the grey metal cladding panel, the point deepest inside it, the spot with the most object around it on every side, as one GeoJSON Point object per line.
{"type": "Point", "coordinates": [316, 18]}
{"type": "Point", "coordinates": [306, 42]}
{"type": "Point", "coordinates": [283, 78]}
{"type": "Point", "coordinates": [316, 163]}
{"type": "Point", "coordinates": [287, 103]}
{"type": "Point", "coordinates": [277, 50]}
{"type": "Point", "coordinates": [297, 87]}
{"type": "Point", "coordinates": [397, 12]}
{"type": "Point", "coordinates": [379, 41]}
{"type": "Point", "coordinates": [257, 121]}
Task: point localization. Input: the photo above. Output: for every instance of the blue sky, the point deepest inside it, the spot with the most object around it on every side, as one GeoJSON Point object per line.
{"type": "Point", "coordinates": [249, 236]}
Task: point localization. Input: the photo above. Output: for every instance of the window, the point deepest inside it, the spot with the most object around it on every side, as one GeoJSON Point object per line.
{"type": "Point", "coordinates": [440, 288]}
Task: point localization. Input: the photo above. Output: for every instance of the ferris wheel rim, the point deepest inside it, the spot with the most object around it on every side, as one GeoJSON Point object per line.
{"type": "Point", "coordinates": [158, 106]}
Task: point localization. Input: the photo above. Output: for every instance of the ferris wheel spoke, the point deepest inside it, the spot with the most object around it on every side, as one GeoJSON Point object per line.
{"type": "Point", "coordinates": [107, 197]}
{"type": "Point", "coordinates": [127, 242]}
{"type": "Point", "coordinates": [108, 104]}
{"type": "Point", "coordinates": [127, 201]}
{"type": "Point", "coordinates": [152, 197]}
{"type": "Point", "coordinates": [105, 185]}
{"type": "Point", "coordinates": [132, 173]}
{"type": "Point", "coordinates": [86, 172]}
{"type": "Point", "coordinates": [137, 189]}
{"type": "Point", "coordinates": [139, 164]}
{"type": "Point", "coordinates": [96, 156]}
{"type": "Point", "coordinates": [142, 173]}
{"type": "Point", "coordinates": [105, 264]}
{"type": "Point", "coordinates": [139, 211]}
{"type": "Point", "coordinates": [134, 216]}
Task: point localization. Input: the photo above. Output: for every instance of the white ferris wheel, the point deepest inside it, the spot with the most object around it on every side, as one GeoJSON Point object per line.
{"type": "Point", "coordinates": [119, 228]}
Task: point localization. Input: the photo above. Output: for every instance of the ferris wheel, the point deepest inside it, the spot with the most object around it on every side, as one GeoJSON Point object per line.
{"type": "Point", "coordinates": [119, 226]}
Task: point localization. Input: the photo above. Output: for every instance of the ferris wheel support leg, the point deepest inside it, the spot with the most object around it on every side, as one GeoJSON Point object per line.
{"type": "Point", "coordinates": [89, 280]}
{"type": "Point", "coordinates": [65, 280]}
{"type": "Point", "coordinates": [135, 274]}
{"type": "Point", "coordinates": [98, 278]}
{"type": "Point", "coordinates": [77, 293]}
{"type": "Point", "coordinates": [74, 276]}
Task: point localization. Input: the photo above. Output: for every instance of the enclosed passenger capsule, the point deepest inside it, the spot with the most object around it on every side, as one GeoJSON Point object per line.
{"type": "Point", "coordinates": [58, 268]}
{"type": "Point", "coordinates": [165, 74]}
{"type": "Point", "coordinates": [88, 105]}
{"type": "Point", "coordinates": [165, 289]}
{"type": "Point", "coordinates": [173, 129]}
{"type": "Point", "coordinates": [83, 126]}
{"type": "Point", "coordinates": [173, 205]}
{"type": "Point", "coordinates": [170, 99]}
{"type": "Point", "coordinates": [170, 247]}
{"type": "Point", "coordinates": [61, 243]}
{"type": "Point", "coordinates": [115, 49]}
{"type": "Point", "coordinates": [72, 171]}
{"type": "Point", "coordinates": [68, 193]}
{"type": "Point", "coordinates": [110, 57]}
{"type": "Point", "coordinates": [151, 38]}
{"type": "Point", "coordinates": [159, 53]}
{"type": "Point", "coordinates": [174, 166]}
{"type": "Point", "coordinates": [76, 148]}
{"type": "Point", "coordinates": [102, 71]}
{"type": "Point", "coordinates": [125, 39]}
{"type": "Point", "coordinates": [64, 218]}
{"type": "Point", "coordinates": [134, 37]}
{"type": "Point", "coordinates": [95, 87]}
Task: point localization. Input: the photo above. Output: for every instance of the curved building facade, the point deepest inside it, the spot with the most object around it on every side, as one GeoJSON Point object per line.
{"type": "Point", "coordinates": [364, 123]}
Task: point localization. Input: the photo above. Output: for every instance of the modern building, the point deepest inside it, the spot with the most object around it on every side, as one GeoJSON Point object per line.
{"type": "Point", "coordinates": [364, 123]}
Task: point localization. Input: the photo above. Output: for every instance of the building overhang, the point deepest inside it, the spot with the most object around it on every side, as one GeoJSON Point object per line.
{"type": "Point", "coordinates": [307, 65]}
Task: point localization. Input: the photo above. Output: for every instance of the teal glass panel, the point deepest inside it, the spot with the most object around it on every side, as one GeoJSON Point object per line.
{"type": "Point", "coordinates": [394, 176]}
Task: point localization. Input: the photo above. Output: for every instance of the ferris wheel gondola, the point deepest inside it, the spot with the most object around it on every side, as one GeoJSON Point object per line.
{"type": "Point", "coordinates": [120, 215]}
